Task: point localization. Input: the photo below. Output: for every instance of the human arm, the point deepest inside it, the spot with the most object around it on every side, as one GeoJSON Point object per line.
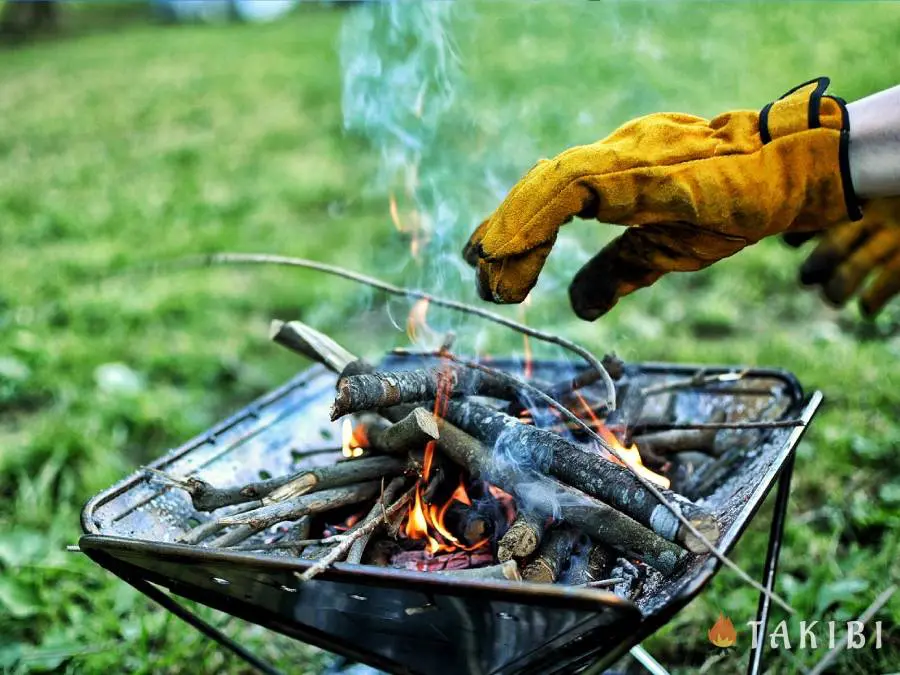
{"type": "Point", "coordinates": [875, 144]}
{"type": "Point", "coordinates": [690, 191]}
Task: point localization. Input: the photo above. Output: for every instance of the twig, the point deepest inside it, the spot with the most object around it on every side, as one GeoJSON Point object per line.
{"type": "Point", "coordinates": [864, 618]}
{"type": "Point", "coordinates": [343, 547]}
{"type": "Point", "coordinates": [355, 554]}
{"type": "Point", "coordinates": [266, 259]}
{"type": "Point", "coordinates": [646, 483]}
{"type": "Point", "coordinates": [698, 379]}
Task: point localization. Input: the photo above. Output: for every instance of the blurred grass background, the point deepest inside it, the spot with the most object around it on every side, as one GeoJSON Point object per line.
{"type": "Point", "coordinates": [140, 141]}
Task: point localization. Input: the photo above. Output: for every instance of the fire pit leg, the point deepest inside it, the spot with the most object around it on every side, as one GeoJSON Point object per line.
{"type": "Point", "coordinates": [776, 534]}
{"type": "Point", "coordinates": [171, 605]}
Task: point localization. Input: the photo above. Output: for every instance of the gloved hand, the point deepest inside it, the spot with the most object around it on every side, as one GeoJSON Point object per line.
{"type": "Point", "coordinates": [693, 191]}
{"type": "Point", "coordinates": [847, 253]}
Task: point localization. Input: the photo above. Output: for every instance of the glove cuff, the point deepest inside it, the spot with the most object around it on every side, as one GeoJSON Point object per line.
{"type": "Point", "coordinates": [807, 107]}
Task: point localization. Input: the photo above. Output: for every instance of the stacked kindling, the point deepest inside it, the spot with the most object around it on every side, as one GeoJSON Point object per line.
{"type": "Point", "coordinates": [448, 482]}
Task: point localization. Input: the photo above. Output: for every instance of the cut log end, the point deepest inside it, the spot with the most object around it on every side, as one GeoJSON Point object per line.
{"type": "Point", "coordinates": [708, 527]}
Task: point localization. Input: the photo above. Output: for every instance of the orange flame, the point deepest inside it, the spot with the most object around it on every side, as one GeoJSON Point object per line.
{"type": "Point", "coordinates": [722, 633]}
{"type": "Point", "coordinates": [353, 440]}
{"type": "Point", "coordinates": [417, 320]}
{"type": "Point", "coordinates": [630, 455]}
{"type": "Point", "coordinates": [427, 521]}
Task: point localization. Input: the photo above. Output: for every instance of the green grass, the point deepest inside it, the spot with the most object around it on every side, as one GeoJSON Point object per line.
{"type": "Point", "coordinates": [149, 142]}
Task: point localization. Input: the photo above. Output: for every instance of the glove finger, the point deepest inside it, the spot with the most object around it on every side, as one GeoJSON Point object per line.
{"type": "Point", "coordinates": [797, 239]}
{"type": "Point", "coordinates": [511, 279]}
{"type": "Point", "coordinates": [885, 287]}
{"type": "Point", "coordinates": [639, 258]}
{"type": "Point", "coordinates": [472, 249]}
{"type": "Point", "coordinates": [850, 274]}
{"type": "Point", "coordinates": [835, 246]}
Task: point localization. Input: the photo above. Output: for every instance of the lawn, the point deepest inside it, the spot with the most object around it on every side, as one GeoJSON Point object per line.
{"type": "Point", "coordinates": [144, 142]}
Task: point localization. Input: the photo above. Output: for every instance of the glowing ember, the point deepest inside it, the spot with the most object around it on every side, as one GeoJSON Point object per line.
{"type": "Point", "coordinates": [630, 455]}
{"type": "Point", "coordinates": [353, 440]}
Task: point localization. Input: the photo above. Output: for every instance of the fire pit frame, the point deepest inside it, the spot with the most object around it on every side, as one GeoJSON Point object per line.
{"type": "Point", "coordinates": [142, 563]}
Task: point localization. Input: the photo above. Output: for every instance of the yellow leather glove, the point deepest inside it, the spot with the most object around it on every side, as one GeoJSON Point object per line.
{"type": "Point", "coordinates": [848, 253]}
{"type": "Point", "coordinates": [693, 191]}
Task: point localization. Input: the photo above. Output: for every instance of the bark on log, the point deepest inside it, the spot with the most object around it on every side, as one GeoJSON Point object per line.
{"type": "Point", "coordinates": [522, 537]}
{"type": "Point", "coordinates": [382, 390]}
{"type": "Point", "coordinates": [589, 565]}
{"type": "Point", "coordinates": [546, 452]}
{"type": "Point", "coordinates": [307, 341]}
{"type": "Point", "coordinates": [412, 432]}
{"type": "Point", "coordinates": [335, 475]}
{"type": "Point", "coordinates": [316, 502]}
{"type": "Point", "coordinates": [507, 571]}
{"type": "Point", "coordinates": [552, 556]}
{"type": "Point", "coordinates": [662, 443]}
{"type": "Point", "coordinates": [549, 498]}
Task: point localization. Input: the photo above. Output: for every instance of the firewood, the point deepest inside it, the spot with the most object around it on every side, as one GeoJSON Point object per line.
{"type": "Point", "coordinates": [410, 433]}
{"type": "Point", "coordinates": [422, 561]}
{"type": "Point", "coordinates": [522, 537]}
{"type": "Point", "coordinates": [210, 527]}
{"type": "Point", "coordinates": [663, 443]}
{"type": "Point", "coordinates": [552, 556]}
{"type": "Point", "coordinates": [382, 390]}
{"type": "Point", "coordinates": [594, 475]}
{"type": "Point", "coordinates": [366, 527]}
{"type": "Point", "coordinates": [387, 496]}
{"type": "Point", "coordinates": [506, 571]}
{"type": "Point", "coordinates": [292, 509]}
{"type": "Point", "coordinates": [549, 498]}
{"type": "Point", "coordinates": [588, 565]}
{"type": "Point", "coordinates": [304, 340]}
{"type": "Point", "coordinates": [207, 497]}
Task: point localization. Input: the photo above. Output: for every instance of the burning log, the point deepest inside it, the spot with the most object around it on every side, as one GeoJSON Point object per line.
{"type": "Point", "coordinates": [410, 433]}
{"type": "Point", "coordinates": [390, 493]}
{"type": "Point", "coordinates": [370, 391]}
{"type": "Point", "coordinates": [596, 476]}
{"type": "Point", "coordinates": [300, 338]}
{"type": "Point", "coordinates": [552, 556]}
{"type": "Point", "coordinates": [365, 528]}
{"type": "Point", "coordinates": [522, 537]}
{"type": "Point", "coordinates": [506, 571]}
{"type": "Point", "coordinates": [551, 498]}
{"type": "Point", "coordinates": [255, 520]}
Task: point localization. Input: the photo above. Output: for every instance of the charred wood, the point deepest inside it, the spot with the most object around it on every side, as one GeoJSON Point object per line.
{"type": "Point", "coordinates": [371, 391]}
{"type": "Point", "coordinates": [546, 452]}
{"type": "Point", "coordinates": [552, 556]}
{"type": "Point", "coordinates": [522, 537]}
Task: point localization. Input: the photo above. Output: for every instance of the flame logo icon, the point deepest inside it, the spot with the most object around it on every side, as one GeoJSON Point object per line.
{"type": "Point", "coordinates": [722, 634]}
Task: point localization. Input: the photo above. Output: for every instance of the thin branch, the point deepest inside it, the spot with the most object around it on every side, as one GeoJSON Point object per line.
{"type": "Point", "coordinates": [340, 551]}
{"type": "Point", "coordinates": [696, 380]}
{"type": "Point", "coordinates": [266, 259]}
{"type": "Point", "coordinates": [641, 479]}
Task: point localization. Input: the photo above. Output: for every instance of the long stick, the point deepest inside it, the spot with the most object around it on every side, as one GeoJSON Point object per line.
{"type": "Point", "coordinates": [568, 414]}
{"type": "Point", "coordinates": [265, 259]}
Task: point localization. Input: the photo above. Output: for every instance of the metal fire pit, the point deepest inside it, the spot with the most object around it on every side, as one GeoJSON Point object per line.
{"type": "Point", "coordinates": [415, 622]}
